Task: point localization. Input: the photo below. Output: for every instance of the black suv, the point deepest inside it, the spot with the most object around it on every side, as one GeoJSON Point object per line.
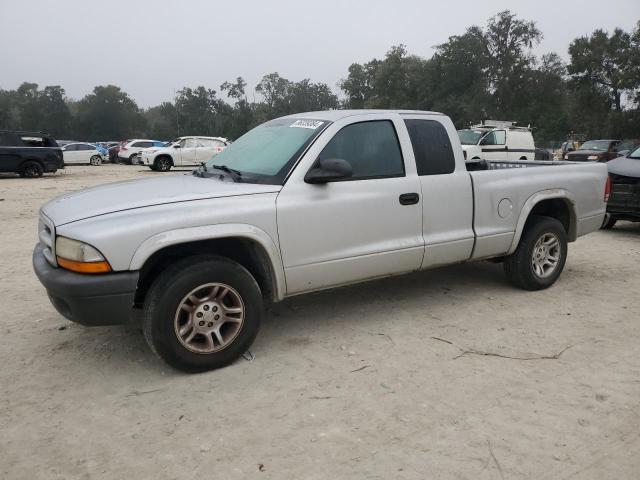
{"type": "Point", "coordinates": [29, 154]}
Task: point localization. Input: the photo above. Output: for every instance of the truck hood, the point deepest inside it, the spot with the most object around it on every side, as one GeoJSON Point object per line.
{"type": "Point", "coordinates": [115, 197]}
{"type": "Point", "coordinates": [625, 166]}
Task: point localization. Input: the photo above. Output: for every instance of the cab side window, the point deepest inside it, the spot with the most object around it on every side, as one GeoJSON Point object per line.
{"type": "Point", "coordinates": [497, 137]}
{"type": "Point", "coordinates": [371, 148]}
{"type": "Point", "coordinates": [189, 143]}
{"type": "Point", "coordinates": [431, 147]}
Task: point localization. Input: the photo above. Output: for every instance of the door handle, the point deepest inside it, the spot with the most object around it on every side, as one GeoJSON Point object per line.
{"type": "Point", "coordinates": [409, 198]}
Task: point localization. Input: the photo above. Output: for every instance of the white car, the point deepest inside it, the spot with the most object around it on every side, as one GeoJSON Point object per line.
{"type": "Point", "coordinates": [129, 151]}
{"type": "Point", "coordinates": [82, 153]}
{"type": "Point", "coordinates": [497, 141]}
{"type": "Point", "coordinates": [183, 152]}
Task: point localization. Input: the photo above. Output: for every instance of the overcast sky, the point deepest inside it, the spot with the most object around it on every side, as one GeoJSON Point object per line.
{"type": "Point", "coordinates": [151, 47]}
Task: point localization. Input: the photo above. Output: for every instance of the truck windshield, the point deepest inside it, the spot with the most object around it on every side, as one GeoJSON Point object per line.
{"type": "Point", "coordinates": [470, 137]}
{"type": "Point", "coordinates": [596, 145]}
{"type": "Point", "coordinates": [267, 153]}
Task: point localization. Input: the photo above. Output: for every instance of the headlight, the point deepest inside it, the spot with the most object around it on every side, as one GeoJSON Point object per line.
{"type": "Point", "coordinates": [592, 157]}
{"type": "Point", "coordinates": [566, 157]}
{"type": "Point", "coordinates": [80, 257]}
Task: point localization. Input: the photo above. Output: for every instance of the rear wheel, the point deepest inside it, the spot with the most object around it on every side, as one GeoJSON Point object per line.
{"type": "Point", "coordinates": [202, 313]}
{"type": "Point", "coordinates": [31, 169]}
{"type": "Point", "coordinates": [541, 254]}
{"type": "Point", "coordinates": [95, 160]}
{"type": "Point", "coordinates": [132, 159]}
{"type": "Point", "coordinates": [609, 224]}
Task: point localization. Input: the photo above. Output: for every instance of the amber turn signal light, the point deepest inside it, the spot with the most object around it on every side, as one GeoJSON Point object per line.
{"type": "Point", "coordinates": [84, 267]}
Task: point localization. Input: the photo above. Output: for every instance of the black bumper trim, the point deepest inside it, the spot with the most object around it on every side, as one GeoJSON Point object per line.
{"type": "Point", "coordinates": [101, 299]}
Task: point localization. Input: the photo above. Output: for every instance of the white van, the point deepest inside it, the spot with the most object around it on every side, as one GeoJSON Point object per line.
{"type": "Point", "coordinates": [498, 141]}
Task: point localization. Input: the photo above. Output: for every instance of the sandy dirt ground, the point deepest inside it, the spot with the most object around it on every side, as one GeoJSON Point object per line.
{"type": "Point", "coordinates": [351, 383]}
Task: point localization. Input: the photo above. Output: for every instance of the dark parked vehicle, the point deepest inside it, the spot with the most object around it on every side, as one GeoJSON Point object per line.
{"type": "Point", "coordinates": [624, 201]}
{"type": "Point", "coordinates": [628, 146]}
{"type": "Point", "coordinates": [595, 151]}
{"type": "Point", "coordinates": [30, 154]}
{"type": "Point", "coordinates": [542, 154]}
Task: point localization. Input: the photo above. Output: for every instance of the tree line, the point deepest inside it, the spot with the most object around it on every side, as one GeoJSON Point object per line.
{"type": "Point", "coordinates": [487, 72]}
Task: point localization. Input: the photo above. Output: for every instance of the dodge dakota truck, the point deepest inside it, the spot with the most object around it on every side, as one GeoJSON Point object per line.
{"type": "Point", "coordinates": [303, 203]}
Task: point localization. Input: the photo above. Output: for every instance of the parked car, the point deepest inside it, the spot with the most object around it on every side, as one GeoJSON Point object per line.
{"type": "Point", "coordinates": [137, 159]}
{"type": "Point", "coordinates": [624, 202]}
{"type": "Point", "coordinates": [497, 140]}
{"type": "Point", "coordinates": [183, 151]}
{"type": "Point", "coordinates": [113, 151]}
{"type": "Point", "coordinates": [542, 154]}
{"type": "Point", "coordinates": [129, 150]}
{"type": "Point", "coordinates": [627, 146]}
{"type": "Point", "coordinates": [594, 151]}
{"type": "Point", "coordinates": [103, 151]}
{"type": "Point", "coordinates": [29, 154]}
{"type": "Point", "coordinates": [302, 203]}
{"type": "Point", "coordinates": [82, 153]}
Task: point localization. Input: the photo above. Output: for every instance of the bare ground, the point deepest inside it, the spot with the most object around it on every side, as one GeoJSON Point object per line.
{"type": "Point", "coordinates": [349, 383]}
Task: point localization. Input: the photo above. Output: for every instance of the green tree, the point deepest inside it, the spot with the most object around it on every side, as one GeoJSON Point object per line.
{"type": "Point", "coordinates": [610, 63]}
{"type": "Point", "coordinates": [197, 110]}
{"type": "Point", "coordinates": [55, 116]}
{"type": "Point", "coordinates": [458, 78]}
{"type": "Point", "coordinates": [509, 41]}
{"type": "Point", "coordinates": [108, 113]}
{"type": "Point", "coordinates": [239, 118]}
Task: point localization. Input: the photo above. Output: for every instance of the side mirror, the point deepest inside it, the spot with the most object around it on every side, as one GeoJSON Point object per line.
{"type": "Point", "coordinates": [176, 145]}
{"type": "Point", "coordinates": [329, 170]}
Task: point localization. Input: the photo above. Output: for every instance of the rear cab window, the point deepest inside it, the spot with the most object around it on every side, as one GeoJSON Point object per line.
{"type": "Point", "coordinates": [431, 147]}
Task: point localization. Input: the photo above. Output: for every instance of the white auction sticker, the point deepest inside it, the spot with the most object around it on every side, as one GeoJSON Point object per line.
{"type": "Point", "coordinates": [312, 124]}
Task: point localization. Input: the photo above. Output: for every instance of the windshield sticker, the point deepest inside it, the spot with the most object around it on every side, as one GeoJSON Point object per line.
{"type": "Point", "coordinates": [312, 124]}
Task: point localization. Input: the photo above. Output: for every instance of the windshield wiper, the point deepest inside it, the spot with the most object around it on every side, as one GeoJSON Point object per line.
{"type": "Point", "coordinates": [235, 174]}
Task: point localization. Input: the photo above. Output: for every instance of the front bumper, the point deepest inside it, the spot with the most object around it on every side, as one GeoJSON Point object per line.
{"type": "Point", "coordinates": [103, 299]}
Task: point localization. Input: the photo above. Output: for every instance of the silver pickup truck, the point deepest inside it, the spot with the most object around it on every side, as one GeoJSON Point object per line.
{"type": "Point", "coordinates": [302, 203]}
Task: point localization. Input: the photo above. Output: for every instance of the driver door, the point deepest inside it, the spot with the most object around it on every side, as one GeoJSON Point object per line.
{"type": "Point", "coordinates": [362, 227]}
{"type": "Point", "coordinates": [188, 151]}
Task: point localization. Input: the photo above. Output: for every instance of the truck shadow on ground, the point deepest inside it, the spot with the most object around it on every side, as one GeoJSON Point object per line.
{"type": "Point", "coordinates": [314, 316]}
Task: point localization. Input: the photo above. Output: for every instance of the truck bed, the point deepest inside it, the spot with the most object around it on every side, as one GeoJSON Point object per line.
{"type": "Point", "coordinates": [502, 194]}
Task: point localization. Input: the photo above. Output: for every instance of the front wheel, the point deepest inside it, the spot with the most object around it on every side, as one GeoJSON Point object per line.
{"type": "Point", "coordinates": [95, 160]}
{"type": "Point", "coordinates": [202, 313]}
{"type": "Point", "coordinates": [541, 254]}
{"type": "Point", "coordinates": [162, 164]}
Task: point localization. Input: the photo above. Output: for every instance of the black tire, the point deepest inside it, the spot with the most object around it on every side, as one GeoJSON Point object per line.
{"type": "Point", "coordinates": [519, 265]}
{"type": "Point", "coordinates": [132, 158]}
{"type": "Point", "coordinates": [31, 169]}
{"type": "Point", "coordinates": [162, 164]}
{"type": "Point", "coordinates": [95, 160]}
{"type": "Point", "coordinates": [168, 291]}
{"type": "Point", "coordinates": [609, 224]}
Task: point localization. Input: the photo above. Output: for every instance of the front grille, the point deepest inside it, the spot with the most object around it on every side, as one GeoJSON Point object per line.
{"type": "Point", "coordinates": [47, 236]}
{"type": "Point", "coordinates": [625, 195]}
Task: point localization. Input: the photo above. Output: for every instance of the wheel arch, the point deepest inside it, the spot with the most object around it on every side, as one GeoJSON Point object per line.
{"type": "Point", "coordinates": [31, 159]}
{"type": "Point", "coordinates": [556, 203]}
{"type": "Point", "coordinates": [248, 245]}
